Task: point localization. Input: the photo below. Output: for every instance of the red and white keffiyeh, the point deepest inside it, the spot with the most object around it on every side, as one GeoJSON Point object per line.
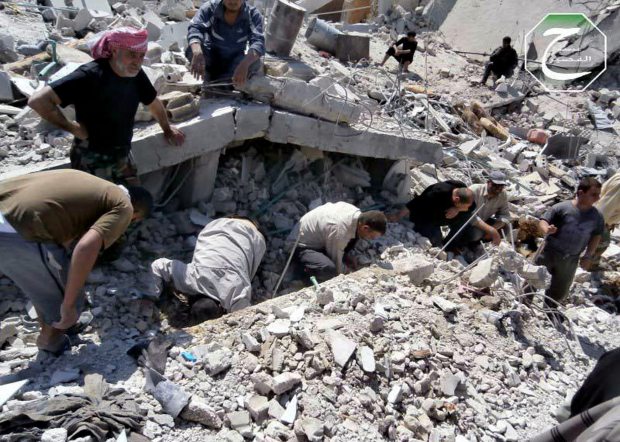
{"type": "Point", "coordinates": [122, 38]}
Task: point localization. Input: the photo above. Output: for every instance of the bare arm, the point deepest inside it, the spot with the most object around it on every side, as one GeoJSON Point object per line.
{"type": "Point", "coordinates": [586, 259]}
{"type": "Point", "coordinates": [546, 228]}
{"type": "Point", "coordinates": [82, 262]}
{"type": "Point", "coordinates": [173, 135]}
{"type": "Point", "coordinates": [45, 102]}
{"type": "Point", "coordinates": [489, 230]}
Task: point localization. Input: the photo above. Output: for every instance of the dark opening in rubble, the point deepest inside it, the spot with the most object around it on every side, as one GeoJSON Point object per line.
{"type": "Point", "coordinates": [276, 185]}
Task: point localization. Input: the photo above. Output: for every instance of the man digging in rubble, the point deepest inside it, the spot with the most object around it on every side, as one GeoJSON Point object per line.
{"type": "Point", "coordinates": [403, 56]}
{"type": "Point", "coordinates": [41, 216]}
{"type": "Point", "coordinates": [609, 206]}
{"type": "Point", "coordinates": [106, 93]}
{"type": "Point", "coordinates": [226, 257]}
{"type": "Point", "coordinates": [492, 200]}
{"type": "Point", "coordinates": [570, 227]}
{"type": "Point", "coordinates": [218, 36]}
{"type": "Point", "coordinates": [502, 61]}
{"type": "Point", "coordinates": [439, 205]}
{"type": "Point", "coordinates": [328, 233]}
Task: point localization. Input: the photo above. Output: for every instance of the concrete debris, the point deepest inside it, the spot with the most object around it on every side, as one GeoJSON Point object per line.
{"type": "Point", "coordinates": [332, 129]}
{"type": "Point", "coordinates": [484, 274]}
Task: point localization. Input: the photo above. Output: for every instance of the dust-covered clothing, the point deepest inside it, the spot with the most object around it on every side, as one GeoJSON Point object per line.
{"type": "Point", "coordinates": [113, 166]}
{"type": "Point", "coordinates": [328, 228]}
{"type": "Point", "coordinates": [60, 206]}
{"type": "Point", "coordinates": [227, 255]}
{"type": "Point", "coordinates": [562, 269]}
{"type": "Point", "coordinates": [575, 228]}
{"type": "Point", "coordinates": [490, 207]}
{"type": "Point", "coordinates": [609, 204]}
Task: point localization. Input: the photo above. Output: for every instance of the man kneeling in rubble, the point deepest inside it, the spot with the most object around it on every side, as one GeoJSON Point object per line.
{"type": "Point", "coordinates": [438, 205]}
{"type": "Point", "coordinates": [326, 235]}
{"type": "Point", "coordinates": [226, 257]}
{"type": "Point", "coordinates": [218, 35]}
{"type": "Point", "coordinates": [41, 215]}
{"type": "Point", "coordinates": [570, 228]}
{"type": "Point", "coordinates": [403, 56]}
{"type": "Point", "coordinates": [502, 61]}
{"type": "Point", "coordinates": [491, 201]}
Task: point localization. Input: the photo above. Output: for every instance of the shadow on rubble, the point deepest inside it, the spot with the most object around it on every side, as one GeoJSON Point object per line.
{"type": "Point", "coordinates": [591, 349]}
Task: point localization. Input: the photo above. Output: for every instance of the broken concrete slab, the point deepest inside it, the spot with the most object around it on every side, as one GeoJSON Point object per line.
{"type": "Point", "coordinates": [7, 391]}
{"type": "Point", "coordinates": [367, 359]}
{"type": "Point", "coordinates": [285, 382]}
{"type": "Point", "coordinates": [484, 274]}
{"type": "Point", "coordinates": [341, 346]}
{"type": "Point", "coordinates": [352, 47]}
{"type": "Point", "coordinates": [251, 121]}
{"type": "Point", "coordinates": [299, 96]}
{"type": "Point", "coordinates": [417, 267]}
{"type": "Point", "coordinates": [290, 128]}
{"type": "Point", "coordinates": [6, 88]}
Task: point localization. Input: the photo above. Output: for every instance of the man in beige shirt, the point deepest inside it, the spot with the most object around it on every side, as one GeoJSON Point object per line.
{"type": "Point", "coordinates": [328, 232]}
{"type": "Point", "coordinates": [492, 200]}
{"type": "Point", "coordinates": [609, 206]}
{"type": "Point", "coordinates": [41, 216]}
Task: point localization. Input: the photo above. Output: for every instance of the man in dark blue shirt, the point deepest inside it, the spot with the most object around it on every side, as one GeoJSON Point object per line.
{"type": "Point", "coordinates": [218, 36]}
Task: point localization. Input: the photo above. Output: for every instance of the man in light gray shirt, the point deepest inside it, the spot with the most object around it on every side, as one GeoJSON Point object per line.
{"type": "Point", "coordinates": [570, 228]}
{"type": "Point", "coordinates": [492, 201]}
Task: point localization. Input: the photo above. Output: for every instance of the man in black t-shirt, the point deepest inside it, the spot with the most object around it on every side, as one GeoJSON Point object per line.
{"type": "Point", "coordinates": [503, 61]}
{"type": "Point", "coordinates": [404, 56]}
{"type": "Point", "coordinates": [106, 93]}
{"type": "Point", "coordinates": [439, 205]}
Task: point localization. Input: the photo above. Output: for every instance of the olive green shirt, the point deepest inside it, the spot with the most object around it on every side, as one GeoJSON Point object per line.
{"type": "Point", "coordinates": [60, 206]}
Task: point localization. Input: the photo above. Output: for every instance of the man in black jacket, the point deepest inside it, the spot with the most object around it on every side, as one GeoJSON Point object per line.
{"type": "Point", "coordinates": [503, 61]}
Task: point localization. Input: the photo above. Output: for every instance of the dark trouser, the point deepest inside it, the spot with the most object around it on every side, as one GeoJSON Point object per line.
{"type": "Point", "coordinates": [222, 68]}
{"type": "Point", "coordinates": [601, 385]}
{"type": "Point", "coordinates": [431, 231]}
{"type": "Point", "coordinates": [497, 71]}
{"type": "Point", "coordinates": [562, 269]}
{"type": "Point", "coordinates": [116, 166]}
{"type": "Point", "coordinates": [401, 59]}
{"type": "Point", "coordinates": [38, 270]}
{"type": "Point", "coordinates": [316, 263]}
{"type": "Point", "coordinates": [469, 235]}
{"type": "Point", "coordinates": [602, 246]}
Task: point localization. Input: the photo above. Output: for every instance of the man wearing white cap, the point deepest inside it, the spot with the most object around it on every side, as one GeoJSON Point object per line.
{"type": "Point", "coordinates": [492, 200]}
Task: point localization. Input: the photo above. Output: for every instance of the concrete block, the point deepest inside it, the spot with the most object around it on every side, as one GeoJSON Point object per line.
{"type": "Point", "coordinates": [201, 180]}
{"type": "Point", "coordinates": [154, 25]}
{"type": "Point", "coordinates": [341, 346]}
{"type": "Point", "coordinates": [85, 16]}
{"type": "Point", "coordinates": [252, 121]}
{"type": "Point", "coordinates": [6, 89]}
{"type": "Point", "coordinates": [417, 267]}
{"type": "Point", "coordinates": [210, 131]}
{"type": "Point", "coordinates": [290, 128]}
{"type": "Point", "coordinates": [98, 5]}
{"type": "Point", "coordinates": [353, 47]}
{"type": "Point", "coordinates": [484, 274]}
{"type": "Point", "coordinates": [174, 33]}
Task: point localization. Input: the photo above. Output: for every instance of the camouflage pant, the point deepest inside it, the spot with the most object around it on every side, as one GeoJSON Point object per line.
{"type": "Point", "coordinates": [117, 166]}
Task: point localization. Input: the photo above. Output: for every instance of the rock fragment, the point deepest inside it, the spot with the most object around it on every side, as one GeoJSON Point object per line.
{"type": "Point", "coordinates": [285, 382]}
{"type": "Point", "coordinates": [341, 346]}
{"type": "Point", "coordinates": [199, 411]}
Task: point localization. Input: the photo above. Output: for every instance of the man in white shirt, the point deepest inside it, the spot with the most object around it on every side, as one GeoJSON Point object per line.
{"type": "Point", "coordinates": [328, 232]}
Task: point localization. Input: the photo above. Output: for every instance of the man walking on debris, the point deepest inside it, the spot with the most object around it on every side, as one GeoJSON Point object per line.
{"type": "Point", "coordinates": [503, 61]}
{"type": "Point", "coordinates": [218, 35]}
{"type": "Point", "coordinates": [106, 93]}
{"type": "Point", "coordinates": [41, 215]}
{"type": "Point", "coordinates": [569, 228]}
{"type": "Point", "coordinates": [226, 258]}
{"type": "Point", "coordinates": [403, 56]}
{"type": "Point", "coordinates": [438, 206]}
{"type": "Point", "coordinates": [609, 206]}
{"type": "Point", "coordinates": [326, 235]}
{"type": "Point", "coordinates": [493, 215]}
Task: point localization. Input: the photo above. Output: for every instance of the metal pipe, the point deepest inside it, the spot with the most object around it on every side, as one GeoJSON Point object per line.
{"type": "Point", "coordinates": [288, 262]}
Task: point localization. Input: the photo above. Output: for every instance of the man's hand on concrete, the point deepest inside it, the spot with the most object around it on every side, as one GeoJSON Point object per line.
{"type": "Point", "coordinates": [241, 75]}
{"type": "Point", "coordinates": [79, 131]}
{"type": "Point", "coordinates": [197, 67]}
{"type": "Point", "coordinates": [174, 136]}
{"type": "Point", "coordinates": [68, 317]}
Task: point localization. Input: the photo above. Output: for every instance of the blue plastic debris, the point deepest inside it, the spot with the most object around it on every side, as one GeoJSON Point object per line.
{"type": "Point", "coordinates": [188, 356]}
